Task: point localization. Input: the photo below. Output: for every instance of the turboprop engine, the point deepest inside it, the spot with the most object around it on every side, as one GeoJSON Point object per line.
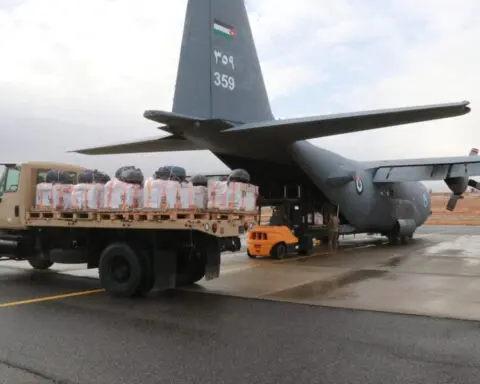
{"type": "Point", "coordinates": [458, 185]}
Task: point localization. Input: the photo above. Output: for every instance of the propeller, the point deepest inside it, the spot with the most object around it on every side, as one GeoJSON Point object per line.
{"type": "Point", "coordinates": [457, 185]}
{"type": "Point", "coordinates": [452, 202]}
{"type": "Point", "coordinates": [474, 184]}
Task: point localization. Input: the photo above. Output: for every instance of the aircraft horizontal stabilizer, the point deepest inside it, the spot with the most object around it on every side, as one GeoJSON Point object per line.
{"type": "Point", "coordinates": [169, 118]}
{"type": "Point", "coordinates": [157, 144]}
{"type": "Point", "coordinates": [291, 130]}
{"type": "Point", "coordinates": [175, 121]}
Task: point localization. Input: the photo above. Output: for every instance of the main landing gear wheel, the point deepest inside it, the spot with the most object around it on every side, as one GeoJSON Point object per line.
{"type": "Point", "coordinates": [393, 239]}
{"type": "Point", "coordinates": [38, 263]}
{"type": "Point", "coordinates": [396, 239]}
{"type": "Point", "coordinates": [279, 251]}
{"type": "Point", "coordinates": [406, 239]}
{"type": "Point", "coordinates": [121, 270]}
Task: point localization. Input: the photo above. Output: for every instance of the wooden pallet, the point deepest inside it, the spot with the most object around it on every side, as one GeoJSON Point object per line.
{"type": "Point", "coordinates": [139, 215]}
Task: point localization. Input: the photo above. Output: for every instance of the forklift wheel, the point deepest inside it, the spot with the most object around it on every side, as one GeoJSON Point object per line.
{"type": "Point", "coordinates": [279, 251]}
{"type": "Point", "coordinates": [250, 255]}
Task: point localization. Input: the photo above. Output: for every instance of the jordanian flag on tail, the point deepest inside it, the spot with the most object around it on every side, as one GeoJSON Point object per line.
{"type": "Point", "coordinates": [223, 30]}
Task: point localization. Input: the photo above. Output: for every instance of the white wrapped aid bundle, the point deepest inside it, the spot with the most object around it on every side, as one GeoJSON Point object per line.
{"type": "Point", "coordinates": [193, 197]}
{"type": "Point", "coordinates": [62, 196]}
{"type": "Point", "coordinates": [250, 197]}
{"type": "Point", "coordinates": [233, 195]}
{"type": "Point", "coordinates": [44, 197]}
{"type": "Point", "coordinates": [161, 194]}
{"type": "Point", "coordinates": [88, 196]}
{"type": "Point", "coordinates": [120, 195]}
{"type": "Point", "coordinates": [54, 196]}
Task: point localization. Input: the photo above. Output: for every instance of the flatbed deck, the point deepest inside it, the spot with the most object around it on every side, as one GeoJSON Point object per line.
{"type": "Point", "coordinates": [227, 221]}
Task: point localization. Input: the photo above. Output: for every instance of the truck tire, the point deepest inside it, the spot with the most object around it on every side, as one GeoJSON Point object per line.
{"type": "Point", "coordinates": [121, 270]}
{"type": "Point", "coordinates": [38, 263]}
{"type": "Point", "coordinates": [237, 244]}
{"type": "Point", "coordinates": [148, 278]}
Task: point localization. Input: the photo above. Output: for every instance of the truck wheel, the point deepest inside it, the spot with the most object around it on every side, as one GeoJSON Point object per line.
{"type": "Point", "coordinates": [148, 277]}
{"type": "Point", "coordinates": [38, 263]}
{"type": "Point", "coordinates": [121, 270]}
{"type": "Point", "coordinates": [237, 244]}
{"type": "Point", "coordinates": [279, 251]}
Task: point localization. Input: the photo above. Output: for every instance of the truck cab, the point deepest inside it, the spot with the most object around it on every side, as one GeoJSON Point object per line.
{"type": "Point", "coordinates": [18, 189]}
{"type": "Point", "coordinates": [9, 199]}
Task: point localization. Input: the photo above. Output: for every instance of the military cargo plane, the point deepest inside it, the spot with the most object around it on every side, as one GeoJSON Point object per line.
{"type": "Point", "coordinates": [221, 105]}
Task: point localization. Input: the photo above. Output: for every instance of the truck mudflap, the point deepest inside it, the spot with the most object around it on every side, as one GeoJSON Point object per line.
{"type": "Point", "coordinates": [164, 269]}
{"type": "Point", "coordinates": [212, 257]}
{"type": "Point", "coordinates": [165, 273]}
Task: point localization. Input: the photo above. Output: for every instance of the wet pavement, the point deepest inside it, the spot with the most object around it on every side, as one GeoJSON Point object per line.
{"type": "Point", "coordinates": [191, 337]}
{"type": "Point", "coordinates": [437, 274]}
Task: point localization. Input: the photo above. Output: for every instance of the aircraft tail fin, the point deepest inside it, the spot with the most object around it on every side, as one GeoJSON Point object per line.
{"type": "Point", "coordinates": [473, 152]}
{"type": "Point", "coordinates": [219, 74]}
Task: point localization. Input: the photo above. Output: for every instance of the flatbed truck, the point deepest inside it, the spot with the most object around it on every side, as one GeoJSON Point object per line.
{"type": "Point", "coordinates": [136, 251]}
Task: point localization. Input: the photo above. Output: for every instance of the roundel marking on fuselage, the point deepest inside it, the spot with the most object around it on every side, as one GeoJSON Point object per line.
{"type": "Point", "coordinates": [358, 184]}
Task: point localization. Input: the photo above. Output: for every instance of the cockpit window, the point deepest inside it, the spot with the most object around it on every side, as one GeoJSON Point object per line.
{"type": "Point", "coordinates": [10, 180]}
{"type": "Point", "coordinates": [13, 179]}
{"type": "Point", "coordinates": [2, 180]}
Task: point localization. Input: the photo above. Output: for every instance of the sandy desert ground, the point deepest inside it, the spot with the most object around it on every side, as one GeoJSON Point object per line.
{"type": "Point", "coordinates": [467, 211]}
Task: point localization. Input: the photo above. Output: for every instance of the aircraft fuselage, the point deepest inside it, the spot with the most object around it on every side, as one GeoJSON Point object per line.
{"type": "Point", "coordinates": [367, 206]}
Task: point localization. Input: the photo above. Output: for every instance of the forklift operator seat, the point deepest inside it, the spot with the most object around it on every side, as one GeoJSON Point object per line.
{"type": "Point", "coordinates": [278, 217]}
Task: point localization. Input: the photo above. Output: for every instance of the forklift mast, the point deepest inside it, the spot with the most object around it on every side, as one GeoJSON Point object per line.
{"type": "Point", "coordinates": [297, 206]}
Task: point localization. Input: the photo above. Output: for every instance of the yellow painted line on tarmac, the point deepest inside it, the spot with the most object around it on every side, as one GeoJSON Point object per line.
{"type": "Point", "coordinates": [48, 298]}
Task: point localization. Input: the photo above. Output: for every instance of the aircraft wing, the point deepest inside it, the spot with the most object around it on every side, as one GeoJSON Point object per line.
{"type": "Point", "coordinates": [157, 144]}
{"type": "Point", "coordinates": [427, 169]}
{"type": "Point", "coordinates": [291, 130]}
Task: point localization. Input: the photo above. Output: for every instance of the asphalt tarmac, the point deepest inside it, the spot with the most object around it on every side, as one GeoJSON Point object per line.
{"type": "Point", "coordinates": [197, 337]}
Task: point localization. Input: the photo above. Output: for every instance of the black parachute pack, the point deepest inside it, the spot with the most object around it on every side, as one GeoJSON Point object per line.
{"type": "Point", "coordinates": [55, 176]}
{"type": "Point", "coordinates": [239, 175]}
{"type": "Point", "coordinates": [93, 176]}
{"type": "Point", "coordinates": [171, 172]}
{"type": "Point", "coordinates": [199, 180]}
{"type": "Point", "coordinates": [130, 174]}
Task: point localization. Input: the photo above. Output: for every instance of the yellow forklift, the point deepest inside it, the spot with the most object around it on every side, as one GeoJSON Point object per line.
{"type": "Point", "coordinates": [291, 230]}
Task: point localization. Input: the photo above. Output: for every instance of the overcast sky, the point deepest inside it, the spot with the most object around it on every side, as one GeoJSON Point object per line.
{"type": "Point", "coordinates": [80, 73]}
